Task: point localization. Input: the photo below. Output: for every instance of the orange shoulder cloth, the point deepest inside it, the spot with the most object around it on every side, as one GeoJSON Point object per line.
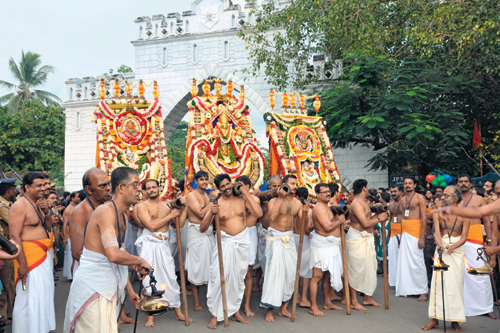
{"type": "Point", "coordinates": [35, 253]}
{"type": "Point", "coordinates": [475, 234]}
{"type": "Point", "coordinates": [412, 227]}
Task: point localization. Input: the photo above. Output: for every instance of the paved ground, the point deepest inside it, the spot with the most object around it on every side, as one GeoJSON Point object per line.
{"type": "Point", "coordinates": [404, 315]}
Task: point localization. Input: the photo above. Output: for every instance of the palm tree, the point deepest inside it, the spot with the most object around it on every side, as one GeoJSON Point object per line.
{"type": "Point", "coordinates": [30, 75]}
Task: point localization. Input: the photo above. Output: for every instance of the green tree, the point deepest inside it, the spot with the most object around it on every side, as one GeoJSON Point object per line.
{"type": "Point", "coordinates": [176, 149]}
{"type": "Point", "coordinates": [29, 75]}
{"type": "Point", "coordinates": [34, 142]}
{"type": "Point", "coordinates": [124, 69]}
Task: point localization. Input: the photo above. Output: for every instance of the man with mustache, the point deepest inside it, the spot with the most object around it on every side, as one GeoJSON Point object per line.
{"type": "Point", "coordinates": [326, 258]}
{"type": "Point", "coordinates": [281, 253]}
{"type": "Point", "coordinates": [155, 248]}
{"type": "Point", "coordinates": [28, 225]}
{"type": "Point", "coordinates": [450, 235]}
{"type": "Point", "coordinates": [411, 278]}
{"type": "Point", "coordinates": [478, 296]}
{"type": "Point", "coordinates": [235, 248]}
{"type": "Point", "coordinates": [394, 236]}
{"type": "Point", "coordinates": [360, 247]}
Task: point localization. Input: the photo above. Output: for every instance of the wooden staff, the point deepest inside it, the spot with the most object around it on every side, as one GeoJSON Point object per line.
{"type": "Point", "coordinates": [221, 266]}
{"type": "Point", "coordinates": [302, 230]}
{"type": "Point", "coordinates": [181, 267]}
{"type": "Point", "coordinates": [384, 264]}
{"type": "Point", "coordinates": [346, 275]}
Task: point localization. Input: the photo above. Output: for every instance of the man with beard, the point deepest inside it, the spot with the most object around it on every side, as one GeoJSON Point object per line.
{"type": "Point", "coordinates": [345, 197]}
{"type": "Point", "coordinates": [450, 235]}
{"type": "Point", "coordinates": [155, 249]}
{"type": "Point", "coordinates": [360, 247]}
{"type": "Point", "coordinates": [34, 310]}
{"type": "Point", "coordinates": [411, 278]}
{"type": "Point", "coordinates": [102, 278]}
{"type": "Point", "coordinates": [281, 253]}
{"type": "Point", "coordinates": [200, 244]}
{"type": "Point", "coordinates": [489, 185]}
{"type": "Point", "coordinates": [253, 238]}
{"type": "Point", "coordinates": [326, 258]}
{"type": "Point", "coordinates": [394, 236]}
{"type": "Point", "coordinates": [478, 296]}
{"type": "Point", "coordinates": [96, 185]}
{"type": "Point", "coordinates": [263, 224]}
{"type": "Point", "coordinates": [235, 249]}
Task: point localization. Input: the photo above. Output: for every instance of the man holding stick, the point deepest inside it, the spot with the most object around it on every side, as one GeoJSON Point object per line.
{"type": "Point", "coordinates": [200, 245]}
{"type": "Point", "coordinates": [394, 236]}
{"type": "Point", "coordinates": [235, 249]}
{"type": "Point", "coordinates": [155, 249]}
{"type": "Point", "coordinates": [360, 246]}
{"type": "Point", "coordinates": [281, 254]}
{"type": "Point", "coordinates": [326, 258]}
{"type": "Point", "coordinates": [450, 235]}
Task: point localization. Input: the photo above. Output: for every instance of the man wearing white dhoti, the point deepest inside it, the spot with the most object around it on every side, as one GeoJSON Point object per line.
{"type": "Point", "coordinates": [281, 254]}
{"type": "Point", "coordinates": [251, 220]}
{"type": "Point", "coordinates": [68, 258]}
{"type": "Point", "coordinates": [155, 249]}
{"type": "Point", "coordinates": [102, 277]}
{"type": "Point", "coordinates": [478, 295]}
{"type": "Point", "coordinates": [326, 258]}
{"type": "Point", "coordinates": [199, 244]}
{"type": "Point", "coordinates": [360, 247]}
{"type": "Point", "coordinates": [29, 221]}
{"type": "Point", "coordinates": [232, 212]}
{"type": "Point", "coordinates": [450, 235]}
{"type": "Point", "coordinates": [394, 237]}
{"type": "Point", "coordinates": [411, 277]}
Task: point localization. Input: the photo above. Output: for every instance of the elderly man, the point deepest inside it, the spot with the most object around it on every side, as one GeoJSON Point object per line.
{"type": "Point", "coordinates": [103, 275]}
{"type": "Point", "coordinates": [360, 246]}
{"type": "Point", "coordinates": [34, 310]}
{"type": "Point", "coordinates": [235, 249]}
{"type": "Point", "coordinates": [450, 235]}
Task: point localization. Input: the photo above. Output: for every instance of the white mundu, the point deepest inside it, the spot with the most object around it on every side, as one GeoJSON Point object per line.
{"type": "Point", "coordinates": [361, 261]}
{"type": "Point", "coordinates": [453, 285]}
{"type": "Point", "coordinates": [68, 261]}
{"type": "Point", "coordinates": [411, 278]}
{"type": "Point", "coordinates": [281, 265]}
{"type": "Point", "coordinates": [94, 293]}
{"type": "Point", "coordinates": [326, 255]}
{"type": "Point", "coordinates": [235, 251]}
{"type": "Point", "coordinates": [34, 307]}
{"type": "Point", "coordinates": [261, 248]}
{"type": "Point", "coordinates": [155, 249]}
{"type": "Point", "coordinates": [393, 252]}
{"type": "Point", "coordinates": [254, 240]}
{"type": "Point", "coordinates": [305, 270]}
{"type": "Point", "coordinates": [200, 246]}
{"type": "Point", "coordinates": [478, 296]}
{"type": "Point", "coordinates": [174, 249]}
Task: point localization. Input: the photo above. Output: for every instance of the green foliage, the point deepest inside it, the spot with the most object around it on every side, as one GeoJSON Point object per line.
{"type": "Point", "coordinates": [35, 141]}
{"type": "Point", "coordinates": [124, 69]}
{"type": "Point", "coordinates": [176, 149]}
{"type": "Point", "coordinates": [29, 75]}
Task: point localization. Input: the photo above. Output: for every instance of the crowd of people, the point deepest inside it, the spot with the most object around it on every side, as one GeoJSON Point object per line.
{"type": "Point", "coordinates": [115, 225]}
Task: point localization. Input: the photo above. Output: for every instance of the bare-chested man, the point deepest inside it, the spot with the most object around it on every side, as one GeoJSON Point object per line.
{"type": "Point", "coordinates": [478, 296]}
{"type": "Point", "coordinates": [394, 236]}
{"type": "Point", "coordinates": [263, 224]}
{"type": "Point", "coordinates": [68, 257]}
{"type": "Point", "coordinates": [251, 220]}
{"type": "Point", "coordinates": [200, 244]}
{"type": "Point", "coordinates": [450, 235]}
{"type": "Point", "coordinates": [155, 249]}
{"type": "Point", "coordinates": [411, 278]}
{"type": "Point", "coordinates": [235, 249]}
{"type": "Point", "coordinates": [326, 257]}
{"type": "Point", "coordinates": [281, 253]}
{"type": "Point", "coordinates": [34, 280]}
{"type": "Point", "coordinates": [360, 247]}
{"type": "Point", "coordinates": [92, 306]}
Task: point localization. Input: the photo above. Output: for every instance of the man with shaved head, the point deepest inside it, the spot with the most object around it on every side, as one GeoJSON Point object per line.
{"type": "Point", "coordinates": [97, 186]}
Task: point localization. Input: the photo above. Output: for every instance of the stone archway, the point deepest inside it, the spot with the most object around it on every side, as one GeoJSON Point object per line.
{"type": "Point", "coordinates": [175, 103]}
